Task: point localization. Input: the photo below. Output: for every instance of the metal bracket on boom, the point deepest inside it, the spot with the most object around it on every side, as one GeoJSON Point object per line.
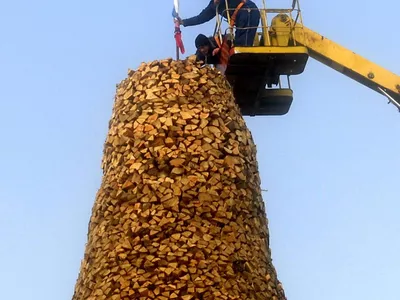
{"type": "Point", "coordinates": [391, 100]}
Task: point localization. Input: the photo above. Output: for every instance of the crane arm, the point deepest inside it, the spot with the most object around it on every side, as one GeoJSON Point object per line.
{"type": "Point", "coordinates": [349, 63]}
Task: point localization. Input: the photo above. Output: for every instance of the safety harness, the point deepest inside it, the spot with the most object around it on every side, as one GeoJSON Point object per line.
{"type": "Point", "coordinates": [234, 15]}
{"type": "Point", "coordinates": [225, 48]}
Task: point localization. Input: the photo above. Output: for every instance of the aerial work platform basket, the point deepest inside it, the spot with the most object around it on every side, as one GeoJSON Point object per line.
{"type": "Point", "coordinates": [255, 72]}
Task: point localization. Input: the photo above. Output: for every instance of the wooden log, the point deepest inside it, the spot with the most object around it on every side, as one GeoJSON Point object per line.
{"type": "Point", "coordinates": [179, 214]}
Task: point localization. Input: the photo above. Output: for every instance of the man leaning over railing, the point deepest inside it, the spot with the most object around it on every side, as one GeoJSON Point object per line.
{"type": "Point", "coordinates": [243, 14]}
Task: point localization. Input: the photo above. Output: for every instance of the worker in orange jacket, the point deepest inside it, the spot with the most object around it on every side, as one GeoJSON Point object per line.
{"type": "Point", "coordinates": [245, 13]}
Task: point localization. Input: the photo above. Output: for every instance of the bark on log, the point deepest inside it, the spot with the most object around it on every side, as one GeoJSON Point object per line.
{"type": "Point", "coordinates": [179, 214]}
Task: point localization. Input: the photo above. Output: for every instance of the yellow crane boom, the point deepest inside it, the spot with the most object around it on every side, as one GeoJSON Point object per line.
{"type": "Point", "coordinates": [347, 62]}
{"type": "Point", "coordinates": [350, 64]}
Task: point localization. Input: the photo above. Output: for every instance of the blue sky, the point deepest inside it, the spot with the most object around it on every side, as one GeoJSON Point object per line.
{"type": "Point", "coordinates": [331, 165]}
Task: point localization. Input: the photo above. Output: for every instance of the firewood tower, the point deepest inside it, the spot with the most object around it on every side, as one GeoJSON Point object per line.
{"type": "Point", "coordinates": [179, 214]}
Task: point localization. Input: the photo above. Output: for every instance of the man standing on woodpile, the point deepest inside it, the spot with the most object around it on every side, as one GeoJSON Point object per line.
{"type": "Point", "coordinates": [244, 14]}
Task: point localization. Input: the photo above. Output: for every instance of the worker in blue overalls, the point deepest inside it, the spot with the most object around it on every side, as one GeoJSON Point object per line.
{"type": "Point", "coordinates": [244, 15]}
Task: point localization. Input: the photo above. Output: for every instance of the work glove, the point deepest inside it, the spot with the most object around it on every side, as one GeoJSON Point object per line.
{"type": "Point", "coordinates": [215, 51]}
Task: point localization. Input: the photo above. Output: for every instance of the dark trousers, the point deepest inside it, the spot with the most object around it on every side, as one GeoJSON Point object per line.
{"type": "Point", "coordinates": [246, 18]}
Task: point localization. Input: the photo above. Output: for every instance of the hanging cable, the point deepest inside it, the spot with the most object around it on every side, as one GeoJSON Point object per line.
{"type": "Point", "coordinates": [217, 30]}
{"type": "Point", "coordinates": [228, 16]}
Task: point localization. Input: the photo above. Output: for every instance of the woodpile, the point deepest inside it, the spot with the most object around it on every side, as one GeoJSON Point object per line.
{"type": "Point", "coordinates": [179, 214]}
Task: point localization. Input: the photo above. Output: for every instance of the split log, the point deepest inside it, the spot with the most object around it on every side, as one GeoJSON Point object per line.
{"type": "Point", "coordinates": [179, 214]}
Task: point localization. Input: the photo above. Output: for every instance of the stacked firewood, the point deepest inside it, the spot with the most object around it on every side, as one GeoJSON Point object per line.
{"type": "Point", "coordinates": [179, 214]}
